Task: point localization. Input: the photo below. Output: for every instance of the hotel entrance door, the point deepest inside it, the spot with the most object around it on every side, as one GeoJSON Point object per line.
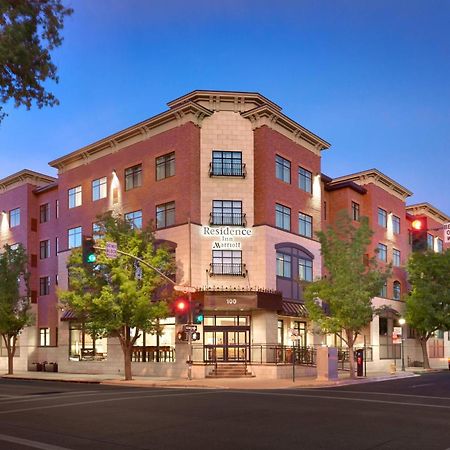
{"type": "Point", "coordinates": [227, 339]}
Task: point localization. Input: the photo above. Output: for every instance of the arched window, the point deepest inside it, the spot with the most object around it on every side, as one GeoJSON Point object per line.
{"type": "Point", "coordinates": [397, 290]}
{"type": "Point", "coordinates": [294, 263]}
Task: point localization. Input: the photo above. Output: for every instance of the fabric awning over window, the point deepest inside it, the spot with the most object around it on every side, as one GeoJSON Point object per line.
{"type": "Point", "coordinates": [68, 314]}
{"type": "Point", "coordinates": [294, 309]}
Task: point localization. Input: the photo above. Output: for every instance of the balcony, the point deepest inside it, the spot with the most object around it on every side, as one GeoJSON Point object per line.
{"type": "Point", "coordinates": [229, 269]}
{"type": "Point", "coordinates": [224, 169]}
{"type": "Point", "coordinates": [231, 219]}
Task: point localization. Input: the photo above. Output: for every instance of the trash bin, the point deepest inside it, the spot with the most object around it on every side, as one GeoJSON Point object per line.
{"type": "Point", "coordinates": [51, 367]}
{"type": "Point", "coordinates": [360, 362]}
{"type": "Point", "coordinates": [38, 367]}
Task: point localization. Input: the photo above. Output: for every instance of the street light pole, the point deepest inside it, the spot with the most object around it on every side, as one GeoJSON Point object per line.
{"type": "Point", "coordinates": [402, 322]}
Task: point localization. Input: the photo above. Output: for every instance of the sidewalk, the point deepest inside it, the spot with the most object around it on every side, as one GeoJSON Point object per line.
{"type": "Point", "coordinates": [209, 383]}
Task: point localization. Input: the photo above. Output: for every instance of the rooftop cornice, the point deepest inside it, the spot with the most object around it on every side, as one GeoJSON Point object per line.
{"type": "Point", "coordinates": [378, 178]}
{"type": "Point", "coordinates": [427, 209]}
{"type": "Point", "coordinates": [25, 176]}
{"type": "Point", "coordinates": [346, 184]}
{"type": "Point", "coordinates": [216, 99]}
{"type": "Point", "coordinates": [188, 111]}
{"type": "Point", "coordinates": [266, 115]}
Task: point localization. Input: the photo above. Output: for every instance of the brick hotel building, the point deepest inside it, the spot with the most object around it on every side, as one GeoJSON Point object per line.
{"type": "Point", "coordinates": [235, 188]}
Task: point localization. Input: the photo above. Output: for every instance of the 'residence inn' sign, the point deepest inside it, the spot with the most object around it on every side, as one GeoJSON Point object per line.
{"type": "Point", "coordinates": [228, 237]}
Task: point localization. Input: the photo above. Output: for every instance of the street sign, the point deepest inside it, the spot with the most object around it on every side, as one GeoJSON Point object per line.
{"type": "Point", "coordinates": [190, 327]}
{"type": "Point", "coordinates": [397, 331]}
{"type": "Point", "coordinates": [397, 335]}
{"type": "Point", "coordinates": [111, 250]}
{"type": "Point", "coordinates": [179, 288]}
{"type": "Point", "coordinates": [447, 233]}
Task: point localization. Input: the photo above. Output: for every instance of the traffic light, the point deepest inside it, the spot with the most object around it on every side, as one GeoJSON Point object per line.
{"type": "Point", "coordinates": [181, 310]}
{"type": "Point", "coordinates": [182, 336]}
{"type": "Point", "coordinates": [198, 315]}
{"type": "Point", "coordinates": [419, 235]}
{"type": "Point", "coordinates": [89, 256]}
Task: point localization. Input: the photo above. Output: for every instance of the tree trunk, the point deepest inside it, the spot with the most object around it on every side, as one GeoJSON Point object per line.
{"type": "Point", "coordinates": [10, 344]}
{"type": "Point", "coordinates": [351, 353]}
{"type": "Point", "coordinates": [127, 345]}
{"type": "Point", "coordinates": [426, 361]}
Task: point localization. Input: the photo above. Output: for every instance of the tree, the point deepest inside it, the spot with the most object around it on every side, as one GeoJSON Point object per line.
{"type": "Point", "coordinates": [29, 31]}
{"type": "Point", "coordinates": [340, 302]}
{"type": "Point", "coordinates": [14, 298]}
{"type": "Point", "coordinates": [428, 305]}
{"type": "Point", "coordinates": [110, 297]}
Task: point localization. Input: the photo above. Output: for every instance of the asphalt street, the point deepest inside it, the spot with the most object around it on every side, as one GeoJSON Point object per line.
{"type": "Point", "coordinates": [412, 413]}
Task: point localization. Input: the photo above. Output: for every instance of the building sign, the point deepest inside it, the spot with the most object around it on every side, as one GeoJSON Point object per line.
{"type": "Point", "coordinates": [447, 233]}
{"type": "Point", "coordinates": [227, 238]}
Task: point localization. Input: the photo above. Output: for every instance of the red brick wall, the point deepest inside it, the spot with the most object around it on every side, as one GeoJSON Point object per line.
{"type": "Point", "coordinates": [269, 190]}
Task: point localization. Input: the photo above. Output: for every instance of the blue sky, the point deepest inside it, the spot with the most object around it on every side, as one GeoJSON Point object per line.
{"type": "Point", "coordinates": [370, 77]}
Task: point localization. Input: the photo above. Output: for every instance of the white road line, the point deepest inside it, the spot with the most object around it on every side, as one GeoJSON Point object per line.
{"type": "Point", "coordinates": [374, 393]}
{"type": "Point", "coordinates": [32, 444]}
{"type": "Point", "coordinates": [420, 385]}
{"type": "Point", "coordinates": [350, 399]}
{"type": "Point", "coordinates": [36, 398]}
{"type": "Point", "coordinates": [107, 400]}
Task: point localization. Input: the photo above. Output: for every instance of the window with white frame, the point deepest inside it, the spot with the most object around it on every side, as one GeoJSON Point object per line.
{"type": "Point", "coordinates": [430, 242]}
{"type": "Point", "coordinates": [74, 237]}
{"type": "Point", "coordinates": [439, 246]}
{"type": "Point", "coordinates": [97, 232]}
{"type": "Point", "coordinates": [75, 197]}
{"type": "Point", "coordinates": [305, 227]}
{"type": "Point", "coordinates": [305, 180]}
{"type": "Point", "coordinates": [99, 188]}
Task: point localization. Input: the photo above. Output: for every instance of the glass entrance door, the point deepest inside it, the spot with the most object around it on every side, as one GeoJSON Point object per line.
{"type": "Point", "coordinates": [227, 343]}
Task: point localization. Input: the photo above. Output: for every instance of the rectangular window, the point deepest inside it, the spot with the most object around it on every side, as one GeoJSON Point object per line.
{"type": "Point", "coordinates": [355, 211]}
{"type": "Point", "coordinates": [284, 265]}
{"type": "Point", "coordinates": [57, 245]}
{"type": "Point", "coordinates": [97, 231]}
{"type": "Point", "coordinates": [57, 208]}
{"type": "Point", "coordinates": [382, 218]}
{"type": "Point", "coordinates": [305, 269]}
{"type": "Point", "coordinates": [99, 189]}
{"type": "Point", "coordinates": [282, 169]}
{"type": "Point", "coordinates": [396, 224]}
{"type": "Point", "coordinates": [75, 197]}
{"type": "Point", "coordinates": [305, 180]}
{"type": "Point", "coordinates": [165, 166]}
{"type": "Point", "coordinates": [280, 332]}
{"type": "Point", "coordinates": [133, 177]}
{"type": "Point", "coordinates": [396, 257]}
{"type": "Point", "coordinates": [324, 210]}
{"type": "Point", "coordinates": [382, 252]}
{"type": "Point", "coordinates": [305, 227]}
{"type": "Point", "coordinates": [430, 242]}
{"type": "Point", "coordinates": [44, 213]}
{"type": "Point", "coordinates": [44, 337]}
{"type": "Point", "coordinates": [439, 246]}
{"type": "Point", "coordinates": [74, 237]}
{"type": "Point", "coordinates": [14, 218]}
{"type": "Point", "coordinates": [227, 262]}
{"type": "Point", "coordinates": [283, 217]}
{"type": "Point", "coordinates": [383, 292]}
{"type": "Point", "coordinates": [227, 164]}
{"type": "Point", "coordinates": [44, 249]}
{"type": "Point", "coordinates": [134, 219]}
{"type": "Point", "coordinates": [165, 215]}
{"type": "Point", "coordinates": [44, 285]}
{"type": "Point", "coordinates": [227, 212]}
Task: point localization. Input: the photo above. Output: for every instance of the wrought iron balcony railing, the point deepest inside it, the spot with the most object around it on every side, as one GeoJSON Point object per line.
{"type": "Point", "coordinates": [231, 269]}
{"type": "Point", "coordinates": [232, 219]}
{"type": "Point", "coordinates": [224, 169]}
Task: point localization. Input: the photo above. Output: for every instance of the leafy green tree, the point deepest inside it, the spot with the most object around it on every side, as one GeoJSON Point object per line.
{"type": "Point", "coordinates": [428, 305]}
{"type": "Point", "coordinates": [14, 299]}
{"type": "Point", "coordinates": [29, 31]}
{"type": "Point", "coordinates": [341, 302]}
{"type": "Point", "coordinates": [110, 297]}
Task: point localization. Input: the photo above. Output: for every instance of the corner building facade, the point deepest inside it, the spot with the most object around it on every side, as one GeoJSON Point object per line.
{"type": "Point", "coordinates": [234, 188]}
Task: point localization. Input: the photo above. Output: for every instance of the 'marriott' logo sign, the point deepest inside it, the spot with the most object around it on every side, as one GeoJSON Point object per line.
{"type": "Point", "coordinates": [227, 236]}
